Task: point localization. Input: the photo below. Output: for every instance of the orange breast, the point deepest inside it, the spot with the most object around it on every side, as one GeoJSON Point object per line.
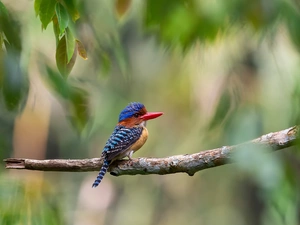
{"type": "Point", "coordinates": [141, 141]}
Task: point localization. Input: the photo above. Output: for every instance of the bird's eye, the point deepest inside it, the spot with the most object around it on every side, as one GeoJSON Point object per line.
{"type": "Point", "coordinates": [136, 115]}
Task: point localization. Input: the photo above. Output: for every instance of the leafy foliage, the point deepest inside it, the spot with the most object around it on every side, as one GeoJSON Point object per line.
{"type": "Point", "coordinates": [66, 54]}
{"type": "Point", "coordinates": [141, 40]}
{"type": "Point", "coordinates": [76, 99]}
{"type": "Point", "coordinates": [12, 79]}
{"type": "Point", "coordinates": [30, 198]}
{"type": "Point", "coordinates": [59, 13]}
{"type": "Point", "coordinates": [62, 17]}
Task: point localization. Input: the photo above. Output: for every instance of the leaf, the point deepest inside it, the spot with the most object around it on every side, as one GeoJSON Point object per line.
{"type": "Point", "coordinates": [47, 11]}
{"type": "Point", "coordinates": [2, 54]}
{"type": "Point", "coordinates": [3, 10]}
{"type": "Point", "coordinates": [1, 44]}
{"type": "Point", "coordinates": [72, 9]}
{"type": "Point", "coordinates": [62, 17]}
{"type": "Point", "coordinates": [56, 29]}
{"type": "Point", "coordinates": [11, 29]}
{"type": "Point", "coordinates": [58, 84]}
{"type": "Point", "coordinates": [105, 63]}
{"type": "Point", "coordinates": [37, 4]}
{"type": "Point", "coordinates": [120, 54]}
{"type": "Point", "coordinates": [79, 108]}
{"type": "Point", "coordinates": [122, 7]}
{"type": "Point", "coordinates": [61, 58]}
{"type": "Point", "coordinates": [158, 10]}
{"type": "Point", "coordinates": [13, 82]}
{"type": "Point", "coordinates": [293, 20]}
{"type": "Point", "coordinates": [76, 98]}
{"type": "Point", "coordinates": [81, 50]}
{"type": "Point", "coordinates": [70, 41]}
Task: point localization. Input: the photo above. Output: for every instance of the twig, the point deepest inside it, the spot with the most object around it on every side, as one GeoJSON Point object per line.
{"type": "Point", "coordinates": [188, 163]}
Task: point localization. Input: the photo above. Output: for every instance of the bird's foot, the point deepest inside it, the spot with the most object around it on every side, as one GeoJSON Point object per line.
{"type": "Point", "coordinates": [130, 155]}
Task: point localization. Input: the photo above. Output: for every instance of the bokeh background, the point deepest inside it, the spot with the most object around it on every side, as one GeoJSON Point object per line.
{"type": "Point", "coordinates": [223, 72]}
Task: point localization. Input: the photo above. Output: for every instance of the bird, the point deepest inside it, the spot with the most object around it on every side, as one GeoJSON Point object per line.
{"type": "Point", "coordinates": [129, 135]}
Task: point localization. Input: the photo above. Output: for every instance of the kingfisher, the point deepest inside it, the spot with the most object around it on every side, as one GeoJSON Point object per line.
{"type": "Point", "coordinates": [129, 135]}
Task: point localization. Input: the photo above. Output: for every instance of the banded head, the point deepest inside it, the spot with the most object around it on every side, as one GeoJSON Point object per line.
{"type": "Point", "coordinates": [135, 114]}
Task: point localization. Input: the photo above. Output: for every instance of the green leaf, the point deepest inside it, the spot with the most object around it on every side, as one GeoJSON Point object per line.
{"type": "Point", "coordinates": [79, 108]}
{"type": "Point", "coordinates": [3, 10]}
{"type": "Point", "coordinates": [70, 41]}
{"type": "Point", "coordinates": [56, 29]}
{"type": "Point", "coordinates": [105, 63]}
{"type": "Point", "coordinates": [58, 84]}
{"type": "Point", "coordinates": [37, 5]}
{"type": "Point", "coordinates": [2, 54]}
{"type": "Point", "coordinates": [13, 82]}
{"type": "Point", "coordinates": [76, 98]}
{"type": "Point", "coordinates": [72, 9]}
{"type": "Point", "coordinates": [120, 54]}
{"type": "Point", "coordinates": [11, 29]}
{"type": "Point", "coordinates": [81, 50]}
{"type": "Point", "coordinates": [47, 11]}
{"type": "Point", "coordinates": [293, 20]}
{"type": "Point", "coordinates": [62, 17]}
{"type": "Point", "coordinates": [62, 63]}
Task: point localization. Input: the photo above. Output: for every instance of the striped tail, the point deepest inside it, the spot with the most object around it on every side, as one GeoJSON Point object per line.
{"type": "Point", "coordinates": [101, 173]}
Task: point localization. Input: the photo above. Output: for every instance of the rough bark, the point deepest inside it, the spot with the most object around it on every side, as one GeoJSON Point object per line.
{"type": "Point", "coordinates": [188, 163]}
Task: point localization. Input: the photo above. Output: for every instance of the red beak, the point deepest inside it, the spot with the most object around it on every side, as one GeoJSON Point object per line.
{"type": "Point", "coordinates": [151, 115]}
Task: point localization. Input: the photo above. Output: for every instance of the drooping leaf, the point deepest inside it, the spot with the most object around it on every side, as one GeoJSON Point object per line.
{"type": "Point", "coordinates": [12, 78]}
{"type": "Point", "coordinates": [3, 10]}
{"type": "Point", "coordinates": [72, 9]}
{"type": "Point", "coordinates": [293, 20]}
{"type": "Point", "coordinates": [182, 23]}
{"type": "Point", "coordinates": [79, 107]}
{"type": "Point", "coordinates": [37, 4]}
{"type": "Point", "coordinates": [105, 63]}
{"type": "Point", "coordinates": [47, 11]}
{"type": "Point", "coordinates": [58, 84]}
{"type": "Point", "coordinates": [13, 81]}
{"type": "Point", "coordinates": [75, 97]}
{"type": "Point", "coordinates": [122, 7]}
{"type": "Point", "coordinates": [62, 17]}
{"type": "Point", "coordinates": [120, 54]}
{"type": "Point", "coordinates": [2, 53]}
{"type": "Point", "coordinates": [81, 50]}
{"type": "Point", "coordinates": [11, 29]}
{"type": "Point", "coordinates": [62, 63]}
{"type": "Point", "coordinates": [70, 44]}
{"type": "Point", "coordinates": [157, 10]}
{"type": "Point", "coordinates": [56, 29]}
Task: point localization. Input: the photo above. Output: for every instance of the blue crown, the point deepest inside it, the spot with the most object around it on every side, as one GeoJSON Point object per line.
{"type": "Point", "coordinates": [130, 110]}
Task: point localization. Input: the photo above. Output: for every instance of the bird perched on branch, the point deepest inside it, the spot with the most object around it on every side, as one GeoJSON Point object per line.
{"type": "Point", "coordinates": [129, 135]}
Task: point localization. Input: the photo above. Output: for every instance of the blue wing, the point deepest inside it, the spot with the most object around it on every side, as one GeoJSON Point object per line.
{"type": "Point", "coordinates": [120, 140]}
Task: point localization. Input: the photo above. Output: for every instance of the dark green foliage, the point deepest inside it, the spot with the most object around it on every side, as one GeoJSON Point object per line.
{"type": "Point", "coordinates": [43, 206]}
{"type": "Point", "coordinates": [66, 54]}
{"type": "Point", "coordinates": [137, 44]}
{"type": "Point", "coordinates": [72, 9]}
{"type": "Point", "coordinates": [59, 13]}
{"type": "Point", "coordinates": [13, 80]}
{"type": "Point", "coordinates": [46, 11]}
{"type": "Point", "coordinates": [75, 99]}
{"type": "Point", "coordinates": [62, 17]}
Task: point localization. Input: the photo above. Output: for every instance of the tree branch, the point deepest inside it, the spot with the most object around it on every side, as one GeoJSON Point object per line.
{"type": "Point", "coordinates": [188, 163]}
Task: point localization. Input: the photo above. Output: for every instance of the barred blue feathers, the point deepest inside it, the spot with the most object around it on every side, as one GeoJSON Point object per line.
{"type": "Point", "coordinates": [121, 139]}
{"type": "Point", "coordinates": [101, 173]}
{"type": "Point", "coordinates": [119, 142]}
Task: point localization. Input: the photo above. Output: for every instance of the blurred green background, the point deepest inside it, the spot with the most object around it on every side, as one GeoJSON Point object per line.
{"type": "Point", "coordinates": [223, 72]}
